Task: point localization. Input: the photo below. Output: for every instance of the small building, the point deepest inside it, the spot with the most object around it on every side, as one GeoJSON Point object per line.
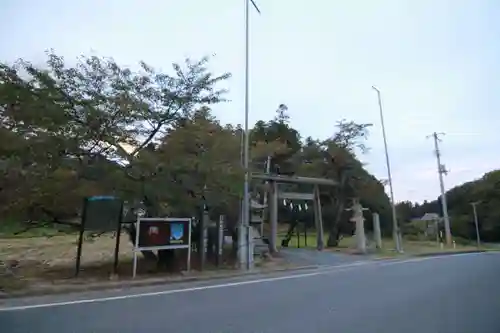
{"type": "Point", "coordinates": [429, 223]}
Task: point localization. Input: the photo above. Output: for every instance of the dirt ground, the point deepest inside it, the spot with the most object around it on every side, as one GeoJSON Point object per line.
{"type": "Point", "coordinates": [41, 260]}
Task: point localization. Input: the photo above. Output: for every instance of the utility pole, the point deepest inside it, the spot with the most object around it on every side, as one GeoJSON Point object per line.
{"type": "Point", "coordinates": [474, 204]}
{"type": "Point", "coordinates": [442, 170]}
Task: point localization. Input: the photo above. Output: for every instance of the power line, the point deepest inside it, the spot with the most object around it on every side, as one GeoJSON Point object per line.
{"type": "Point", "coordinates": [442, 171]}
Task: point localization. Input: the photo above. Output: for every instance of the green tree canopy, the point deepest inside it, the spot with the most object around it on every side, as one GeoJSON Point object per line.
{"type": "Point", "coordinates": [67, 132]}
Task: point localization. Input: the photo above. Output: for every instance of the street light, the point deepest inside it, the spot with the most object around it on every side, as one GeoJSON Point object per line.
{"type": "Point", "coordinates": [474, 204]}
{"type": "Point", "coordinates": [395, 227]}
{"type": "Point", "coordinates": [246, 196]}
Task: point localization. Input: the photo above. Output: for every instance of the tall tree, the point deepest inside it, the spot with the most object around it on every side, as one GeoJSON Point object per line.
{"type": "Point", "coordinates": [75, 117]}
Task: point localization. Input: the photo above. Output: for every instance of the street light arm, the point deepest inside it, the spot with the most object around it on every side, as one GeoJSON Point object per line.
{"type": "Point", "coordinates": [255, 6]}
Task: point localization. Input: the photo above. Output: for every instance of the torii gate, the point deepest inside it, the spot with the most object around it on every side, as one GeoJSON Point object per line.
{"type": "Point", "coordinates": [274, 180]}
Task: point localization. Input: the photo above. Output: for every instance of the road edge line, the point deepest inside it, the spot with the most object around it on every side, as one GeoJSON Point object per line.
{"type": "Point", "coordinates": [151, 282]}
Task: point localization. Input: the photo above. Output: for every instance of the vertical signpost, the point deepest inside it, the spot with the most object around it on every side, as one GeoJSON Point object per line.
{"type": "Point", "coordinates": [220, 240]}
{"type": "Point", "coordinates": [158, 233]}
{"type": "Point", "coordinates": [102, 214]}
{"type": "Point", "coordinates": [202, 245]}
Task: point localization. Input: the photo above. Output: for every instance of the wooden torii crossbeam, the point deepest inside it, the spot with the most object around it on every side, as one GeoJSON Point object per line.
{"type": "Point", "coordinates": [294, 179]}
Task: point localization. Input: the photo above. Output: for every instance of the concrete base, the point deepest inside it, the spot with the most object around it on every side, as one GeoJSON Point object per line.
{"type": "Point", "coordinates": [245, 258]}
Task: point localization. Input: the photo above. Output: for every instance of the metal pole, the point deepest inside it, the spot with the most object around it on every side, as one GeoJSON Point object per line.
{"type": "Point", "coordinates": [389, 175]}
{"type": "Point", "coordinates": [188, 264]}
{"type": "Point", "coordinates": [246, 197]}
{"type": "Point", "coordinates": [117, 244]}
{"type": "Point", "coordinates": [474, 204]}
{"type": "Point", "coordinates": [241, 257]}
{"type": "Point", "coordinates": [203, 239]}
{"type": "Point", "coordinates": [266, 194]}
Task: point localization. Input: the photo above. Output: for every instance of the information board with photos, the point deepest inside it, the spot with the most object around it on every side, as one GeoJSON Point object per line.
{"type": "Point", "coordinates": [164, 233]}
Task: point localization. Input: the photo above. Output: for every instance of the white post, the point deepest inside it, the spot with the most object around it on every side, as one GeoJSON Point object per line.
{"type": "Point", "coordinates": [136, 245]}
{"type": "Point", "coordinates": [188, 266]}
{"type": "Point", "coordinates": [241, 246]}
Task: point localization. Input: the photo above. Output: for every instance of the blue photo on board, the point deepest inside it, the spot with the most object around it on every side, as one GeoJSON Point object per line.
{"type": "Point", "coordinates": [176, 232]}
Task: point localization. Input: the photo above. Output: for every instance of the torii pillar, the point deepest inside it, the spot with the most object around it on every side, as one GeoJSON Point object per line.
{"type": "Point", "coordinates": [273, 210]}
{"type": "Point", "coordinates": [318, 219]}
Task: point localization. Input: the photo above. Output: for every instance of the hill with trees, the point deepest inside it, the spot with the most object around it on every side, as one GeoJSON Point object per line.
{"type": "Point", "coordinates": [485, 191]}
{"type": "Point", "coordinates": [96, 128]}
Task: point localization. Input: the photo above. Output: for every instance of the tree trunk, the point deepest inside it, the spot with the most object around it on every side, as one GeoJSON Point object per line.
{"type": "Point", "coordinates": [333, 232]}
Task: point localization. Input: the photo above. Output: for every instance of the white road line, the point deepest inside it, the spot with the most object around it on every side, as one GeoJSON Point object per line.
{"type": "Point", "coordinates": [175, 291]}
{"type": "Point", "coordinates": [353, 264]}
{"type": "Point", "coordinates": [321, 271]}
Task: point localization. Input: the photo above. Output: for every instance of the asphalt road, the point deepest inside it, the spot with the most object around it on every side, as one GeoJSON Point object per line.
{"type": "Point", "coordinates": [455, 294]}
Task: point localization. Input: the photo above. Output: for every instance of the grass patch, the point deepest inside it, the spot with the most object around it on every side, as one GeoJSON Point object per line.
{"type": "Point", "coordinates": [38, 261]}
{"type": "Point", "coordinates": [9, 283]}
{"type": "Point", "coordinates": [413, 247]}
{"type": "Point", "coordinates": [410, 246]}
{"type": "Point", "coordinates": [346, 244]}
{"type": "Point", "coordinates": [310, 240]}
{"type": "Point", "coordinates": [12, 229]}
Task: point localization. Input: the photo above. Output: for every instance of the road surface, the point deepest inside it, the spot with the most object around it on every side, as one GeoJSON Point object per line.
{"type": "Point", "coordinates": [454, 294]}
{"type": "Point", "coordinates": [312, 257]}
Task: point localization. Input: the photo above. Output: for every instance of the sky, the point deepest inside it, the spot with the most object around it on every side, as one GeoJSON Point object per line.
{"type": "Point", "coordinates": [434, 61]}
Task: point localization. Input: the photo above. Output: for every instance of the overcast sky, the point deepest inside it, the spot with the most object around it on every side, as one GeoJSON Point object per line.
{"type": "Point", "coordinates": [436, 63]}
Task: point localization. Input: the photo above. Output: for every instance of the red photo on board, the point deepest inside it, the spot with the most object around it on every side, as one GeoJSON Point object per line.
{"type": "Point", "coordinates": [154, 233]}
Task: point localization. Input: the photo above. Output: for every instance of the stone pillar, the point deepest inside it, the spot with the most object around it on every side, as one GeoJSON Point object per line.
{"type": "Point", "coordinates": [376, 230]}
{"type": "Point", "coordinates": [357, 210]}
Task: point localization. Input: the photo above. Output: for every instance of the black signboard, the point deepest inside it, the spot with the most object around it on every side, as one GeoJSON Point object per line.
{"type": "Point", "coordinates": [166, 233]}
{"type": "Point", "coordinates": [101, 213]}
